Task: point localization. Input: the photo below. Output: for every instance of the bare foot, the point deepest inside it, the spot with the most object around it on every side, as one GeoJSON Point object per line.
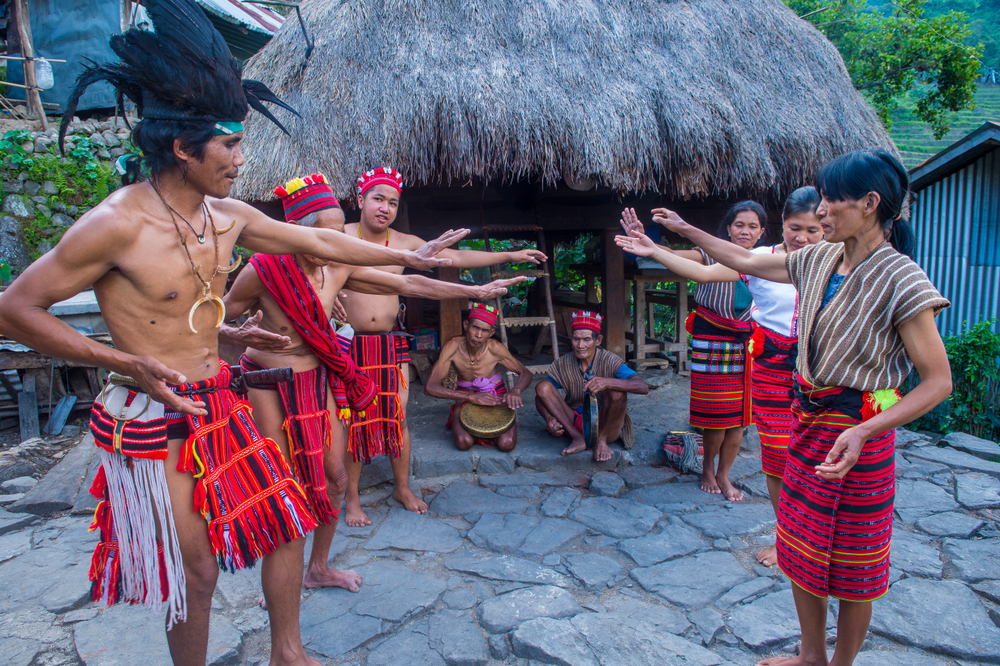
{"type": "Point", "coordinates": [262, 603]}
{"type": "Point", "coordinates": [784, 661]}
{"type": "Point", "coordinates": [412, 503]}
{"type": "Point", "coordinates": [349, 580]}
{"type": "Point", "coordinates": [555, 428]}
{"type": "Point", "coordinates": [292, 659]}
{"type": "Point", "coordinates": [768, 556]}
{"type": "Point", "coordinates": [730, 491]}
{"type": "Point", "coordinates": [354, 515]}
{"type": "Point", "coordinates": [575, 446]}
{"type": "Point", "coordinates": [708, 483]}
{"type": "Point", "coordinates": [602, 452]}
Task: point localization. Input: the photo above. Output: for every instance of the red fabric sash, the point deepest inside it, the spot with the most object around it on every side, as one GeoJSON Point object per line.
{"type": "Point", "coordinates": [289, 286]}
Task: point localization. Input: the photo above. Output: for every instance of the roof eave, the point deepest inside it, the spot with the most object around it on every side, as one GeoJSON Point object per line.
{"type": "Point", "coordinates": [956, 156]}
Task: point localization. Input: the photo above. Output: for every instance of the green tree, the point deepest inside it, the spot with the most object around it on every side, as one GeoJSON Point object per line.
{"type": "Point", "coordinates": [899, 48]}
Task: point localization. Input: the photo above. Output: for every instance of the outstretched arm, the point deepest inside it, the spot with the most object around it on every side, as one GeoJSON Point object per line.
{"type": "Point", "coordinates": [374, 281]}
{"type": "Point", "coordinates": [630, 222]}
{"type": "Point", "coordinates": [640, 244]}
{"type": "Point", "coordinates": [765, 266]}
{"type": "Point", "coordinates": [478, 258]}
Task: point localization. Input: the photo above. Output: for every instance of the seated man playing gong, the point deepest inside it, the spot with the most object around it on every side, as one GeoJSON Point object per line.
{"type": "Point", "coordinates": [595, 371]}
{"type": "Point", "coordinates": [476, 357]}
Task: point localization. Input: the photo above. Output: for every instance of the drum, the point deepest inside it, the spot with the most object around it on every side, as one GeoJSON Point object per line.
{"type": "Point", "coordinates": [590, 418]}
{"type": "Point", "coordinates": [486, 422]}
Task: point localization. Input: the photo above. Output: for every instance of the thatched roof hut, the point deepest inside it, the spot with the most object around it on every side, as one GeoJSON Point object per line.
{"type": "Point", "coordinates": [690, 99]}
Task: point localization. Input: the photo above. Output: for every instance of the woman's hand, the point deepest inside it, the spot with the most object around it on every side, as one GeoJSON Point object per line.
{"type": "Point", "coordinates": [670, 220]}
{"type": "Point", "coordinates": [844, 454]}
{"type": "Point", "coordinates": [630, 222]}
{"type": "Point", "coordinates": [636, 243]}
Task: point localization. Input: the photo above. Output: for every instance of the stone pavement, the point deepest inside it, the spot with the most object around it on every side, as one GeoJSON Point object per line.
{"type": "Point", "coordinates": [564, 565]}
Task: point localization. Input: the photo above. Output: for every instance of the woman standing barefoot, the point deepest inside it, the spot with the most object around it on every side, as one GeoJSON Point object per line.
{"type": "Point", "coordinates": [866, 318]}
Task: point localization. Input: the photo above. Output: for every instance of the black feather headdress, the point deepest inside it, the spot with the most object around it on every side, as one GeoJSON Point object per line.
{"type": "Point", "coordinates": [183, 70]}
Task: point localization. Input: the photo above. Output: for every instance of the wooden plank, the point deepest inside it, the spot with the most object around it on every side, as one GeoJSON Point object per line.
{"type": "Point", "coordinates": [682, 312]}
{"type": "Point", "coordinates": [32, 98]}
{"type": "Point", "coordinates": [27, 407]}
{"type": "Point", "coordinates": [451, 308]}
{"type": "Point", "coordinates": [638, 313]}
{"type": "Point", "coordinates": [59, 415]}
{"type": "Point", "coordinates": [613, 281]}
{"type": "Point", "coordinates": [526, 321]}
{"type": "Point", "coordinates": [503, 275]}
{"type": "Point", "coordinates": [8, 386]}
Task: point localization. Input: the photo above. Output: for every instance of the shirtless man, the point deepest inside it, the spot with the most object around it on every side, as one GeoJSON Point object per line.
{"type": "Point", "coordinates": [476, 356]}
{"type": "Point", "coordinates": [153, 252]}
{"type": "Point", "coordinates": [379, 192]}
{"type": "Point", "coordinates": [313, 205]}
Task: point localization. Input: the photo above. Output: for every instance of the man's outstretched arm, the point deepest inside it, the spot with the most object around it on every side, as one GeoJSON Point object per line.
{"type": "Point", "coordinates": [478, 258]}
{"type": "Point", "coordinates": [373, 281]}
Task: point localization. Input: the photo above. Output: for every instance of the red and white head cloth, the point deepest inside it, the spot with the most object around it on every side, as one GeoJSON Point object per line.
{"type": "Point", "coordinates": [586, 320]}
{"type": "Point", "coordinates": [382, 175]}
{"type": "Point", "coordinates": [301, 196]}
{"type": "Point", "coordinates": [485, 313]}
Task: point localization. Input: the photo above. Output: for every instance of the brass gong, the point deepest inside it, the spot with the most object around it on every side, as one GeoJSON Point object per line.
{"type": "Point", "coordinates": [590, 418]}
{"type": "Point", "coordinates": [486, 422]}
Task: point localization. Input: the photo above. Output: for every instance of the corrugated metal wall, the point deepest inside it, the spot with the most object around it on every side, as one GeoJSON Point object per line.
{"type": "Point", "coordinates": [957, 224]}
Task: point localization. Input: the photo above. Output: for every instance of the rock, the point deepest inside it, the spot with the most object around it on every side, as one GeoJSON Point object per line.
{"type": "Point", "coordinates": [40, 147]}
{"type": "Point", "coordinates": [62, 220]}
{"type": "Point", "coordinates": [916, 499]}
{"type": "Point", "coordinates": [406, 530]}
{"type": "Point", "coordinates": [885, 658]}
{"type": "Point", "coordinates": [120, 635]}
{"type": "Point", "coordinates": [708, 621]}
{"type": "Point", "coordinates": [457, 638]}
{"type": "Point", "coordinates": [110, 140]}
{"type": "Point", "coordinates": [766, 623]}
{"type": "Point", "coordinates": [502, 533]}
{"type": "Point", "coordinates": [673, 497]}
{"type": "Point", "coordinates": [494, 462]}
{"type": "Point", "coordinates": [549, 535]}
{"type": "Point", "coordinates": [31, 188]}
{"type": "Point", "coordinates": [593, 570]}
{"type": "Point", "coordinates": [16, 205]}
{"type": "Point", "coordinates": [97, 140]}
{"type": "Point", "coordinates": [460, 599]}
{"type": "Point", "coordinates": [555, 478]}
{"type": "Point", "coordinates": [989, 589]}
{"type": "Point", "coordinates": [950, 523]}
{"type": "Point", "coordinates": [240, 589]}
{"type": "Point", "coordinates": [558, 503]}
{"type": "Point", "coordinates": [974, 560]}
{"type": "Point", "coordinates": [413, 644]}
{"type": "Point", "coordinates": [10, 522]}
{"type": "Point", "coordinates": [43, 210]}
{"type": "Point", "coordinates": [751, 588]}
{"type": "Point", "coordinates": [506, 568]}
{"type": "Point", "coordinates": [14, 544]}
{"type": "Point", "coordinates": [957, 460]}
{"type": "Point", "coordinates": [736, 519]}
{"type": "Point", "coordinates": [636, 476]}
{"type": "Point", "coordinates": [116, 152]}
{"type": "Point", "coordinates": [81, 615]}
{"type": "Point", "coordinates": [755, 484]}
{"type": "Point", "coordinates": [28, 147]}
{"type": "Point", "coordinates": [12, 250]}
{"type": "Point", "coordinates": [460, 498]}
{"type": "Point", "coordinates": [49, 187]}
{"type": "Point", "coordinates": [619, 518]}
{"type": "Point", "coordinates": [58, 489]}
{"type": "Point", "coordinates": [674, 540]}
{"type": "Point", "coordinates": [44, 247]}
{"type": "Point", "coordinates": [959, 625]}
{"type": "Point", "coordinates": [21, 484]}
{"type": "Point", "coordinates": [524, 492]}
{"type": "Point", "coordinates": [914, 555]}
{"type": "Point", "coordinates": [552, 642]}
{"type": "Point", "coordinates": [974, 490]}
{"type": "Point", "coordinates": [606, 484]}
{"type": "Point", "coordinates": [6, 500]}
{"type": "Point", "coordinates": [981, 448]}
{"type": "Point", "coordinates": [103, 154]}
{"type": "Point", "coordinates": [661, 617]}
{"type": "Point", "coordinates": [70, 589]}
{"type": "Point", "coordinates": [499, 647]}
{"type": "Point", "coordinates": [695, 581]}
{"type": "Point", "coordinates": [507, 611]}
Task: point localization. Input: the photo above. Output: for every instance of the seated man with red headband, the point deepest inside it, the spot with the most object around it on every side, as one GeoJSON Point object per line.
{"type": "Point", "coordinates": [593, 370]}
{"type": "Point", "coordinates": [476, 356]}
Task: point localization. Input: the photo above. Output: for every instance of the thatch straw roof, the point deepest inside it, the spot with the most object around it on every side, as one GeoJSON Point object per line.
{"type": "Point", "coordinates": [690, 99]}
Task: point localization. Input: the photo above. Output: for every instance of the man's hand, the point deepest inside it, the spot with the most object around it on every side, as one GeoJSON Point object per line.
{"type": "Point", "coordinates": [338, 310]}
{"type": "Point", "coordinates": [844, 454]}
{"type": "Point", "coordinates": [250, 335]}
{"type": "Point", "coordinates": [496, 288]}
{"type": "Point", "coordinates": [426, 257]}
{"type": "Point", "coordinates": [513, 399]}
{"type": "Point", "coordinates": [485, 399]}
{"type": "Point", "coordinates": [597, 384]}
{"type": "Point", "coordinates": [527, 257]}
{"type": "Point", "coordinates": [670, 220]}
{"type": "Point", "coordinates": [153, 377]}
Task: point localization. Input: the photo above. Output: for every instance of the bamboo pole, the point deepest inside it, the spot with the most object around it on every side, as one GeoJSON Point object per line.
{"type": "Point", "coordinates": [31, 96]}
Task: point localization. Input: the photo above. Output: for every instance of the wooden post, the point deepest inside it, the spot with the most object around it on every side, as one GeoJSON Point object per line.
{"type": "Point", "coordinates": [613, 280]}
{"type": "Point", "coordinates": [27, 406]}
{"type": "Point", "coordinates": [31, 96]}
{"type": "Point", "coordinates": [451, 308]}
{"type": "Point", "coordinates": [638, 313]}
{"type": "Point", "coordinates": [682, 312]}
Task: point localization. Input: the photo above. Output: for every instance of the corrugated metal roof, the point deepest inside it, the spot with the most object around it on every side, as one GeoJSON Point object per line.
{"type": "Point", "coordinates": [252, 17]}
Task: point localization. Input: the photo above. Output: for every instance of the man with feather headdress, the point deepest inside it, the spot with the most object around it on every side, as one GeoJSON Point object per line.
{"type": "Point", "coordinates": [187, 483]}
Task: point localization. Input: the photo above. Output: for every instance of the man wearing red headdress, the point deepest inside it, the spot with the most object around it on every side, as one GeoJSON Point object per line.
{"type": "Point", "coordinates": [385, 432]}
{"type": "Point", "coordinates": [593, 370]}
{"type": "Point", "coordinates": [297, 295]}
{"type": "Point", "coordinates": [476, 356]}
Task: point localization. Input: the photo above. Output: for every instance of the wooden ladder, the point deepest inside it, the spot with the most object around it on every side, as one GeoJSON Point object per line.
{"type": "Point", "coordinates": [499, 274]}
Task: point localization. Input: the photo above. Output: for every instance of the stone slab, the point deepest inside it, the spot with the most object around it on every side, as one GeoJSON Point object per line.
{"type": "Point", "coordinates": [14, 544]}
{"type": "Point", "coordinates": [915, 555]}
{"type": "Point", "coordinates": [20, 484]}
{"type": "Point", "coordinates": [959, 625]}
{"type": "Point", "coordinates": [957, 460]}
{"type": "Point", "coordinates": [58, 489]}
{"type": "Point", "coordinates": [916, 499]}
{"type": "Point", "coordinates": [643, 645]}
{"type": "Point", "coordinates": [692, 582]}
{"type": "Point", "coordinates": [594, 570]}
{"type": "Point", "coordinates": [552, 642]}
{"type": "Point", "coordinates": [708, 621]}
{"type": "Point", "coordinates": [906, 439]}
{"type": "Point", "coordinates": [457, 638]}
{"type": "Point", "coordinates": [900, 658]}
{"type": "Point", "coordinates": [555, 478]}
{"type": "Point", "coordinates": [975, 490]}
{"type": "Point", "coordinates": [502, 533]}
{"type": "Point", "coordinates": [736, 519]}
{"type": "Point", "coordinates": [506, 568]}
{"type": "Point", "coordinates": [413, 644]}
{"type": "Point", "coordinates": [432, 462]}
{"type": "Point", "coordinates": [491, 461]}
{"type": "Point", "coordinates": [124, 636]}
{"type": "Point", "coordinates": [989, 589]}
{"type": "Point", "coordinates": [766, 623]}
{"type": "Point", "coordinates": [606, 484]}
{"type": "Point", "coordinates": [636, 476]}
{"type": "Point", "coordinates": [676, 496]}
{"type": "Point", "coordinates": [981, 448]}
{"type": "Point", "coordinates": [406, 530]}
{"type": "Point", "coordinates": [674, 540]}
{"type": "Point", "coordinates": [523, 492]}
{"type": "Point", "coordinates": [550, 535]}
{"type": "Point", "coordinates": [10, 522]}
{"type": "Point", "coordinates": [662, 618]}
{"type": "Point", "coordinates": [751, 588]}
{"type": "Point", "coordinates": [755, 484]}
{"type": "Point", "coordinates": [559, 502]}
{"type": "Point", "coordinates": [620, 518]}
{"type": "Point", "coordinates": [974, 560]}
{"type": "Point", "coordinates": [508, 611]}
{"type": "Point", "coordinates": [950, 524]}
{"type": "Point", "coordinates": [460, 498]}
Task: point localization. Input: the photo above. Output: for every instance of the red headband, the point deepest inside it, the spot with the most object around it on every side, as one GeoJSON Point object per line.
{"type": "Point", "coordinates": [381, 176]}
{"type": "Point", "coordinates": [302, 196]}
{"type": "Point", "coordinates": [590, 321]}
{"type": "Point", "coordinates": [485, 313]}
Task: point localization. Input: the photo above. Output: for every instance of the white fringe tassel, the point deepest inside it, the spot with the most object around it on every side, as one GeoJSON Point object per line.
{"type": "Point", "coordinates": [140, 503]}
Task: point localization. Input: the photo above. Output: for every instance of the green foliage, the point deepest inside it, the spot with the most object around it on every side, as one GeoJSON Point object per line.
{"type": "Point", "coordinates": [901, 50]}
{"type": "Point", "coordinates": [568, 255]}
{"type": "Point", "coordinates": [4, 272]}
{"type": "Point", "coordinates": [974, 405]}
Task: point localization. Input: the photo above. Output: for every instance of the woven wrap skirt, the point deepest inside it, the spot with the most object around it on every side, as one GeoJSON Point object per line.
{"type": "Point", "coordinates": [771, 386]}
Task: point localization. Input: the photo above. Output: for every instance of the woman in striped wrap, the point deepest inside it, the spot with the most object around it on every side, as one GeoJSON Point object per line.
{"type": "Point", "coordinates": [720, 326]}
{"type": "Point", "coordinates": [774, 343]}
{"type": "Point", "coordinates": [866, 319]}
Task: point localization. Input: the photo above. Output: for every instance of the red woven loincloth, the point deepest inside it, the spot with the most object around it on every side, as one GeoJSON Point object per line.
{"type": "Point", "coordinates": [378, 431]}
{"type": "Point", "coordinates": [833, 536]}
{"type": "Point", "coordinates": [494, 385]}
{"type": "Point", "coordinates": [720, 371]}
{"type": "Point", "coordinates": [771, 379]}
{"type": "Point", "coordinates": [308, 428]}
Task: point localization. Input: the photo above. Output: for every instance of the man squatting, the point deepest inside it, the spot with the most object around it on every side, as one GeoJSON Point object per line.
{"type": "Point", "coordinates": [215, 492]}
{"type": "Point", "coordinates": [297, 295]}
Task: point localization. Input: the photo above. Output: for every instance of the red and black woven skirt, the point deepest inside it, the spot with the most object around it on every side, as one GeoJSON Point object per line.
{"type": "Point", "coordinates": [771, 382]}
{"type": "Point", "coordinates": [720, 372]}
